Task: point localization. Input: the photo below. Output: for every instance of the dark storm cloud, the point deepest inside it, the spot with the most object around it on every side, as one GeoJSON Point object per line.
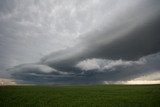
{"type": "Point", "coordinates": [91, 41]}
{"type": "Point", "coordinates": [141, 41]}
{"type": "Point", "coordinates": [130, 45]}
{"type": "Point", "coordinates": [107, 70]}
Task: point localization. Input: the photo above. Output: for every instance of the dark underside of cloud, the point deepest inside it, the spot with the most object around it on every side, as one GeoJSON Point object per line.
{"type": "Point", "coordinates": [140, 42]}
{"type": "Point", "coordinates": [134, 54]}
{"type": "Point", "coordinates": [107, 70]}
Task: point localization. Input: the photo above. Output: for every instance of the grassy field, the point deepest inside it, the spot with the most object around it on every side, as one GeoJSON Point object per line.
{"type": "Point", "coordinates": [80, 96]}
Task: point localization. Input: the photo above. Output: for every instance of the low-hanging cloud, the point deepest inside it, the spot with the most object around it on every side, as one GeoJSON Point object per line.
{"type": "Point", "coordinates": [91, 71]}
{"type": "Point", "coordinates": [34, 73]}
{"type": "Point", "coordinates": [139, 42]}
{"type": "Point", "coordinates": [103, 64]}
{"type": "Point", "coordinates": [87, 41]}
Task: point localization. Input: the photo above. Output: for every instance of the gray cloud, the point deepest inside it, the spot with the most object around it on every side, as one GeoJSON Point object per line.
{"type": "Point", "coordinates": [141, 41]}
{"type": "Point", "coordinates": [91, 71]}
{"type": "Point", "coordinates": [87, 41]}
{"type": "Point", "coordinates": [103, 64]}
{"type": "Point", "coordinates": [35, 73]}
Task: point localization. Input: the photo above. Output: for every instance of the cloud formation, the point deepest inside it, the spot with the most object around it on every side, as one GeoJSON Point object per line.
{"type": "Point", "coordinates": [87, 41]}
{"type": "Point", "coordinates": [102, 64]}
{"type": "Point", "coordinates": [91, 71]}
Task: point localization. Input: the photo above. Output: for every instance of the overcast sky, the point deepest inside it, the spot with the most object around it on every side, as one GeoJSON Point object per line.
{"type": "Point", "coordinates": [79, 41]}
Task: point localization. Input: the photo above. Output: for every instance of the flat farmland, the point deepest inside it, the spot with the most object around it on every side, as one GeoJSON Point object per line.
{"type": "Point", "coordinates": [80, 96]}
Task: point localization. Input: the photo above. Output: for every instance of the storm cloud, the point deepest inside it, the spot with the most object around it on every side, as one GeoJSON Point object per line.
{"type": "Point", "coordinates": [91, 71]}
{"type": "Point", "coordinates": [88, 41]}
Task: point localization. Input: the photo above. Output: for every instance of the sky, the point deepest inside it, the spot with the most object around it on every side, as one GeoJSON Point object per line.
{"type": "Point", "coordinates": [80, 41]}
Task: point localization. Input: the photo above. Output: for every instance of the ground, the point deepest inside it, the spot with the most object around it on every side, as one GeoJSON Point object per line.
{"type": "Point", "coordinates": [80, 96]}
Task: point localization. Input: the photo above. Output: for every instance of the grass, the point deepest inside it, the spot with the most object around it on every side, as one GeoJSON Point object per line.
{"type": "Point", "coordinates": [80, 96]}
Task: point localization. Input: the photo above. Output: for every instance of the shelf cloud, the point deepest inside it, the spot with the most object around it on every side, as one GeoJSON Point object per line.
{"type": "Point", "coordinates": [87, 41]}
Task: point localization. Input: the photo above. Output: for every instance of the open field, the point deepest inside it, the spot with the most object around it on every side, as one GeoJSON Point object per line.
{"type": "Point", "coordinates": [80, 96]}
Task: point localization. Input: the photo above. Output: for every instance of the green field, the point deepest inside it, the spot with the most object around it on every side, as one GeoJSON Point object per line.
{"type": "Point", "coordinates": [80, 96]}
